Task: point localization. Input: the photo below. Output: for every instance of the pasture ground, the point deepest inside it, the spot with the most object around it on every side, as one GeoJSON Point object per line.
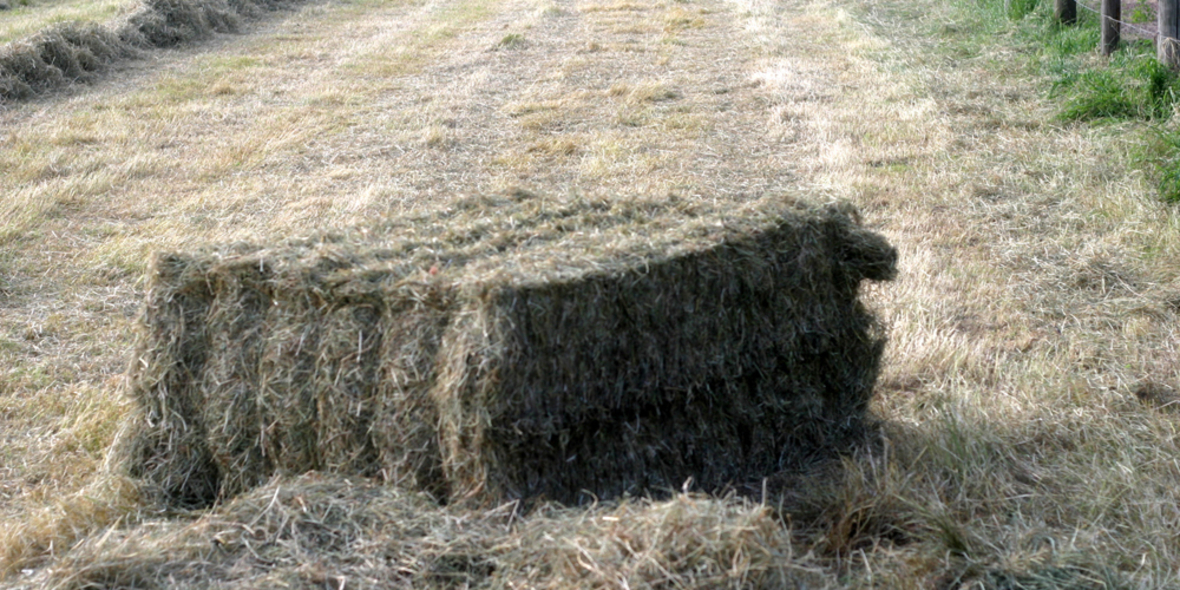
{"type": "Point", "coordinates": [25, 17]}
{"type": "Point", "coordinates": [1028, 436]}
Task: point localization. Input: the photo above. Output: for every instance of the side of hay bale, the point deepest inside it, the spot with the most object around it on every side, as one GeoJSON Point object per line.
{"type": "Point", "coordinates": [564, 352]}
{"type": "Point", "coordinates": [731, 359]}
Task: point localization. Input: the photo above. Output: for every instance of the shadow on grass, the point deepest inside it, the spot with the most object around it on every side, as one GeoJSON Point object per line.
{"type": "Point", "coordinates": [954, 504]}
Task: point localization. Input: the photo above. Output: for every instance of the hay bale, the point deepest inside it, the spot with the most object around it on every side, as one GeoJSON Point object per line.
{"type": "Point", "coordinates": [512, 348]}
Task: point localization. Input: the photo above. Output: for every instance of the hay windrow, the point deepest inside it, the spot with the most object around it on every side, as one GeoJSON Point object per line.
{"type": "Point", "coordinates": [77, 52]}
{"type": "Point", "coordinates": [513, 347]}
{"type": "Point", "coordinates": [310, 532]}
{"type": "Point", "coordinates": [687, 541]}
{"type": "Point", "coordinates": [320, 531]}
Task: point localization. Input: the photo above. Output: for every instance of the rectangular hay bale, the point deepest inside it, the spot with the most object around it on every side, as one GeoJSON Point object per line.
{"type": "Point", "coordinates": [512, 347]}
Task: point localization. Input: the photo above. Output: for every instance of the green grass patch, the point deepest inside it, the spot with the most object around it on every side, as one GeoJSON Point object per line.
{"type": "Point", "coordinates": [1128, 86]}
{"type": "Point", "coordinates": [1161, 154]}
{"type": "Point", "coordinates": [511, 41]}
{"type": "Point", "coordinates": [1132, 86]}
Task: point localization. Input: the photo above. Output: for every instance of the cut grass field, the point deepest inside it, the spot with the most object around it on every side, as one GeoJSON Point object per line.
{"type": "Point", "coordinates": [24, 18]}
{"type": "Point", "coordinates": [1028, 432]}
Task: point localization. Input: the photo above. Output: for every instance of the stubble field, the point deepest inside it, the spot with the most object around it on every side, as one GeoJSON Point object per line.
{"type": "Point", "coordinates": [1028, 438]}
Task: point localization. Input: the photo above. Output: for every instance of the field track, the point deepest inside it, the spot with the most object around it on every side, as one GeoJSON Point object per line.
{"type": "Point", "coordinates": [1038, 288]}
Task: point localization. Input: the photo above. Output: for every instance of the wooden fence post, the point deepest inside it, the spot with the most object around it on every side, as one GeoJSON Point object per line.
{"type": "Point", "coordinates": [1111, 15]}
{"type": "Point", "coordinates": [1166, 49]}
{"type": "Point", "coordinates": [1066, 11]}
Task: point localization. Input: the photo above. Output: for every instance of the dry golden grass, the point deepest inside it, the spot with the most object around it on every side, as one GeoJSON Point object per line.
{"type": "Point", "coordinates": [1034, 316]}
{"type": "Point", "coordinates": [25, 18]}
{"type": "Point", "coordinates": [317, 531]}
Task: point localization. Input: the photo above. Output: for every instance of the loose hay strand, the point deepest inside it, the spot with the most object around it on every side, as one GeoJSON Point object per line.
{"type": "Point", "coordinates": [318, 530]}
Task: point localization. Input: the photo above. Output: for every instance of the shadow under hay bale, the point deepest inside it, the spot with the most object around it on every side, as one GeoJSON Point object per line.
{"type": "Point", "coordinates": [512, 348]}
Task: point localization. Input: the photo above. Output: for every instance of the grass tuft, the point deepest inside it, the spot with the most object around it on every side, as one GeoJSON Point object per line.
{"type": "Point", "coordinates": [1132, 86]}
{"type": "Point", "coordinates": [512, 41]}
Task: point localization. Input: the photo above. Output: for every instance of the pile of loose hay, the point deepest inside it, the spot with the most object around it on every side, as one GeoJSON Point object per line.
{"type": "Point", "coordinates": [311, 531]}
{"type": "Point", "coordinates": [512, 347]}
{"type": "Point", "coordinates": [686, 542]}
{"type": "Point", "coordinates": [319, 531]}
{"type": "Point", "coordinates": [57, 55]}
{"type": "Point", "coordinates": [76, 52]}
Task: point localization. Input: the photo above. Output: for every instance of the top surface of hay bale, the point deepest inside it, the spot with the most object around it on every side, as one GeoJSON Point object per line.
{"type": "Point", "coordinates": [523, 238]}
{"type": "Point", "coordinates": [512, 347]}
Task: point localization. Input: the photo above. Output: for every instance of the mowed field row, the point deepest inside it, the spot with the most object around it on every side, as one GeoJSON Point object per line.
{"type": "Point", "coordinates": [333, 115]}
{"type": "Point", "coordinates": [1032, 329]}
{"type": "Point", "coordinates": [24, 19]}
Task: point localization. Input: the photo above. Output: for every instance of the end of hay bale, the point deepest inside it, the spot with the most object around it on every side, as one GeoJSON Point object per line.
{"type": "Point", "coordinates": [534, 348]}
{"type": "Point", "coordinates": [864, 255]}
{"type": "Point", "coordinates": [165, 445]}
{"type": "Point", "coordinates": [13, 87]}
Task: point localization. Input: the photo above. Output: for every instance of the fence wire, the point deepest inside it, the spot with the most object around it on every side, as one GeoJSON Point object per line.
{"type": "Point", "coordinates": [1149, 33]}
